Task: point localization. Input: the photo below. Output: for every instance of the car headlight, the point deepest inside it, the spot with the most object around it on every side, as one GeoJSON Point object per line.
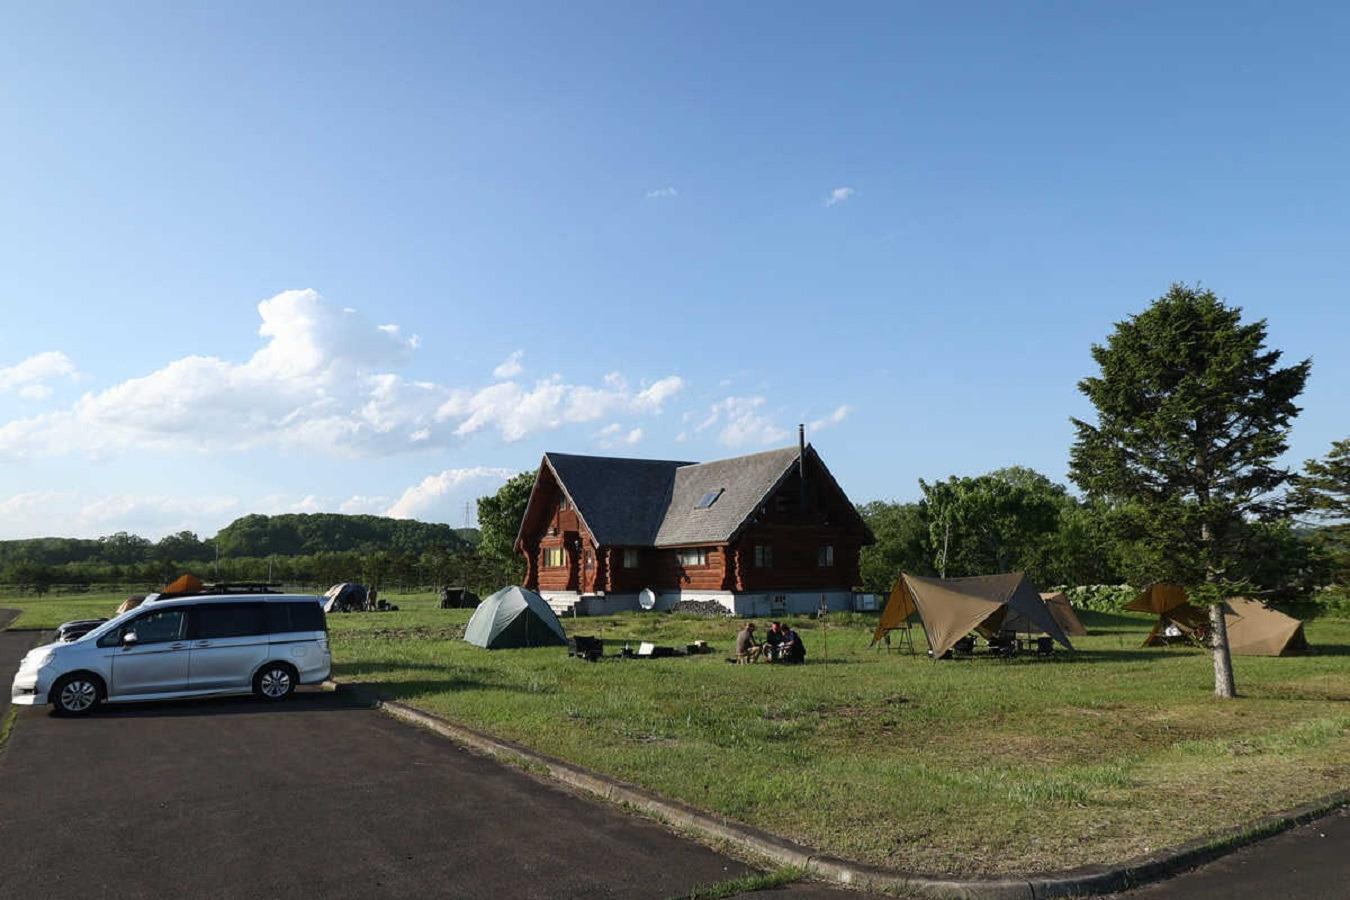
{"type": "Point", "coordinates": [38, 658]}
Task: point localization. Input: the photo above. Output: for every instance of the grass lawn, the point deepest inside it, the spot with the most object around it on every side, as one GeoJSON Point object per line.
{"type": "Point", "coordinates": [966, 766]}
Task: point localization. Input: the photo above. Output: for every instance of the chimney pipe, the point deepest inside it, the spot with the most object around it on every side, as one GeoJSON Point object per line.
{"type": "Point", "coordinates": [801, 462]}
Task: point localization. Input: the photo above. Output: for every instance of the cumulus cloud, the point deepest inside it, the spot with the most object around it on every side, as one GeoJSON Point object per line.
{"type": "Point", "coordinates": [740, 422]}
{"type": "Point", "coordinates": [614, 435]}
{"type": "Point", "coordinates": [433, 490]}
{"type": "Point", "coordinates": [662, 192]}
{"type": "Point", "coordinates": [69, 514]}
{"type": "Point", "coordinates": [322, 380]}
{"type": "Point", "coordinates": [28, 378]}
{"type": "Point", "coordinates": [839, 195]}
{"type": "Point", "coordinates": [840, 414]}
{"type": "Point", "coordinates": [516, 411]}
{"type": "Point", "coordinates": [510, 367]}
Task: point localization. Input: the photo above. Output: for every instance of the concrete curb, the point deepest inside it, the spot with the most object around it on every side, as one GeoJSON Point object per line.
{"type": "Point", "coordinates": [1083, 882]}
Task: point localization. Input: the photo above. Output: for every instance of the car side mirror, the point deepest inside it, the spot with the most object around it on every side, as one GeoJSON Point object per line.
{"type": "Point", "coordinates": [129, 639]}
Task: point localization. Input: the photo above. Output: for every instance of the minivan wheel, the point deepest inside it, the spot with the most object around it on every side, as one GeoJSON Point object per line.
{"type": "Point", "coordinates": [274, 682]}
{"type": "Point", "coordinates": [75, 695]}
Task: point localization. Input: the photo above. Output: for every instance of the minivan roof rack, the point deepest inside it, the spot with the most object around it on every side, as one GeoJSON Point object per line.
{"type": "Point", "coordinates": [228, 587]}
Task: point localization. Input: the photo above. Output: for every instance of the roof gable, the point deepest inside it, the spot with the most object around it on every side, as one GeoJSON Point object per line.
{"type": "Point", "coordinates": [656, 503]}
{"type": "Point", "coordinates": [745, 481]}
{"type": "Point", "coordinates": [621, 501]}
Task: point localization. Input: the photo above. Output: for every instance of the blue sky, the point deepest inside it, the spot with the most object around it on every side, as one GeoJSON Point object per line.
{"type": "Point", "coordinates": [668, 231]}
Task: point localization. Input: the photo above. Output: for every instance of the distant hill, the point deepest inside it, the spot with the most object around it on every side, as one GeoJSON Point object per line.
{"type": "Point", "coordinates": [297, 534]}
{"type": "Point", "coordinates": [250, 536]}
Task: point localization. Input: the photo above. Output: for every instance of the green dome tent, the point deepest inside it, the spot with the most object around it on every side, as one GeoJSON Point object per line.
{"type": "Point", "coordinates": [514, 617]}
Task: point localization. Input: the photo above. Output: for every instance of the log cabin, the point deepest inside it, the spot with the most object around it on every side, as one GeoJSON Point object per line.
{"type": "Point", "coordinates": [765, 534]}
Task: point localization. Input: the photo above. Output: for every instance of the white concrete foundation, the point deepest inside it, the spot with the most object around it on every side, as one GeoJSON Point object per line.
{"type": "Point", "coordinates": [747, 604]}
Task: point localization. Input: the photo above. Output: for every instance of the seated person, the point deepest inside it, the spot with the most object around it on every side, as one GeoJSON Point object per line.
{"type": "Point", "coordinates": [773, 641]}
{"type": "Point", "coordinates": [746, 648]}
{"type": "Point", "coordinates": [791, 650]}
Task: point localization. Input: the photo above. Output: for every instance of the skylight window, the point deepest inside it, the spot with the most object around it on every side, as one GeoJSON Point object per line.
{"type": "Point", "coordinates": [708, 499]}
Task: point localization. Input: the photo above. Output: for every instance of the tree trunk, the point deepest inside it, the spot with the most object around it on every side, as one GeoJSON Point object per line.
{"type": "Point", "coordinates": [1224, 686]}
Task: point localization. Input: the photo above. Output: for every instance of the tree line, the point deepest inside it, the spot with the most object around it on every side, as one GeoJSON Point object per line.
{"type": "Point", "coordinates": [312, 549]}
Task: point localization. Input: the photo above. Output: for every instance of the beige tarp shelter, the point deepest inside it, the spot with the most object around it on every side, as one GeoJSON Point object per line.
{"type": "Point", "coordinates": [1254, 629]}
{"type": "Point", "coordinates": [1168, 602]}
{"type": "Point", "coordinates": [951, 608]}
{"type": "Point", "coordinates": [1062, 610]}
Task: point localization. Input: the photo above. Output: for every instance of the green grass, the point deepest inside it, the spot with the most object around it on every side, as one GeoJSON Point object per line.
{"type": "Point", "coordinates": [962, 767]}
{"type": "Point", "coordinates": [53, 609]}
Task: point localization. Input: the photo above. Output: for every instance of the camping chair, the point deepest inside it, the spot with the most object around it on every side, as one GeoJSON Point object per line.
{"type": "Point", "coordinates": [906, 641]}
{"type": "Point", "coordinates": [1003, 645]}
{"type": "Point", "coordinates": [1045, 646]}
{"type": "Point", "coordinates": [964, 647]}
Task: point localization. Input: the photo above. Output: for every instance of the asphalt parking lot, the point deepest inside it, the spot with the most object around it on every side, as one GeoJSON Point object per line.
{"type": "Point", "coordinates": [323, 797]}
{"type": "Point", "coordinates": [315, 797]}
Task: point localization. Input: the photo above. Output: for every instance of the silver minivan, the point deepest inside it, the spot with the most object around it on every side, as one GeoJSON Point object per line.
{"type": "Point", "coordinates": [188, 646]}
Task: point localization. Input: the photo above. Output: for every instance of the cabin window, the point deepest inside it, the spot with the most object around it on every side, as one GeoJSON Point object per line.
{"type": "Point", "coordinates": [763, 556]}
{"type": "Point", "coordinates": [555, 557]}
{"type": "Point", "coordinates": [825, 555]}
{"type": "Point", "coordinates": [630, 558]}
{"type": "Point", "coordinates": [708, 499]}
{"type": "Point", "coordinates": [694, 556]}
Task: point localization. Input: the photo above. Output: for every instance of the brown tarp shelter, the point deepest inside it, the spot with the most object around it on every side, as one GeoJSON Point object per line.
{"type": "Point", "coordinates": [951, 608]}
{"type": "Point", "coordinates": [130, 603]}
{"type": "Point", "coordinates": [1062, 610]}
{"type": "Point", "coordinates": [1254, 629]}
{"type": "Point", "coordinates": [1168, 602]}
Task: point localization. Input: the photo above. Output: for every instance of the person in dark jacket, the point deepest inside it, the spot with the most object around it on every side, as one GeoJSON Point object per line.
{"type": "Point", "coordinates": [773, 641]}
{"type": "Point", "coordinates": [791, 649]}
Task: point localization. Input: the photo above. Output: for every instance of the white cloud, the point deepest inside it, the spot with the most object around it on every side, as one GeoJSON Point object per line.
{"type": "Point", "coordinates": [432, 491]}
{"type": "Point", "coordinates": [740, 421]}
{"type": "Point", "coordinates": [363, 505]}
{"type": "Point", "coordinates": [516, 412]}
{"type": "Point", "coordinates": [653, 396]}
{"type": "Point", "coordinates": [662, 192]}
{"type": "Point", "coordinates": [510, 367]}
{"type": "Point", "coordinates": [614, 435]}
{"type": "Point", "coordinates": [840, 414]}
{"type": "Point", "coordinates": [321, 381]}
{"type": "Point", "coordinates": [28, 378]}
{"type": "Point", "coordinates": [69, 514]}
{"type": "Point", "coordinates": [839, 195]}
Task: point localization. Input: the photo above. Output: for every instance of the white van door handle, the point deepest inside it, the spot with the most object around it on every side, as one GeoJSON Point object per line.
{"type": "Point", "coordinates": [177, 645]}
{"type": "Point", "coordinates": [203, 643]}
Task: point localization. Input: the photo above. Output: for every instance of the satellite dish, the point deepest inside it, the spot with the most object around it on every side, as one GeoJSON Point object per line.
{"type": "Point", "coordinates": [647, 598]}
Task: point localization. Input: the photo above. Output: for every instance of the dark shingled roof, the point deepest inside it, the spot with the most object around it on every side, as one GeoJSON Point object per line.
{"type": "Point", "coordinates": [652, 503]}
{"type": "Point", "coordinates": [620, 500]}
{"type": "Point", "coordinates": [745, 482]}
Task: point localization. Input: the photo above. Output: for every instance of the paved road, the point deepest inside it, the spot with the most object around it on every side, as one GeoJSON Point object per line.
{"type": "Point", "coordinates": [321, 797]}
{"type": "Point", "coordinates": [317, 797]}
{"type": "Point", "coordinates": [13, 645]}
{"type": "Point", "coordinates": [1311, 863]}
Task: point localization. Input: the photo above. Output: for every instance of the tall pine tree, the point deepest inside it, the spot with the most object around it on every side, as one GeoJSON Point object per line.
{"type": "Point", "coordinates": [1193, 412]}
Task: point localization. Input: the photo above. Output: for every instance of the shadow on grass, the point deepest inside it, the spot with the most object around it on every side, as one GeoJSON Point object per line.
{"type": "Point", "coordinates": [408, 689]}
{"type": "Point", "coordinates": [1109, 620]}
{"type": "Point", "coordinates": [357, 669]}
